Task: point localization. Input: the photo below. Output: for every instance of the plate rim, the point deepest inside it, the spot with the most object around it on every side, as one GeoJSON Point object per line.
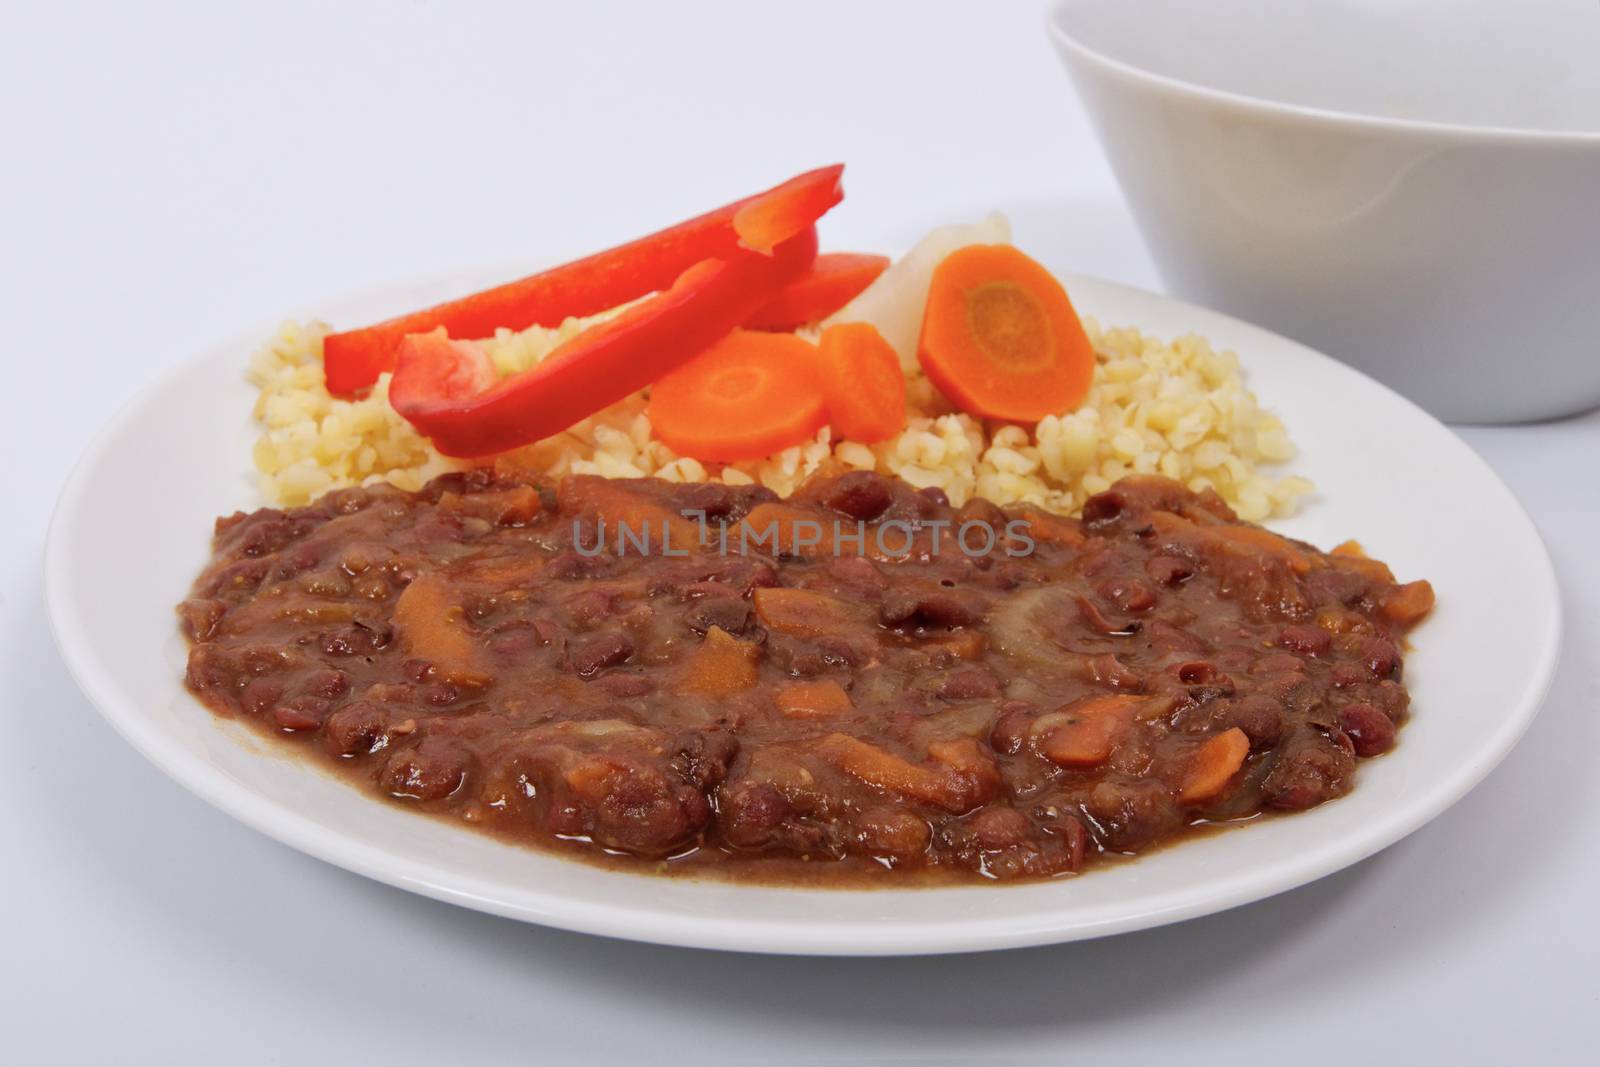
{"type": "Point", "coordinates": [735, 933]}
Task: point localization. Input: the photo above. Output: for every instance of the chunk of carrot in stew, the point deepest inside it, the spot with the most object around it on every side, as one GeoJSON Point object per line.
{"type": "Point", "coordinates": [320, 614]}
{"type": "Point", "coordinates": [1239, 540]}
{"type": "Point", "coordinates": [1350, 556]}
{"type": "Point", "coordinates": [977, 777]}
{"type": "Point", "coordinates": [805, 612]}
{"type": "Point", "coordinates": [721, 666]}
{"type": "Point", "coordinates": [1256, 539]}
{"type": "Point", "coordinates": [589, 775]}
{"type": "Point", "coordinates": [506, 507]}
{"type": "Point", "coordinates": [618, 506]}
{"type": "Point", "coordinates": [813, 700]}
{"type": "Point", "coordinates": [433, 627]}
{"type": "Point", "coordinates": [946, 788]}
{"type": "Point", "coordinates": [1085, 732]}
{"type": "Point", "coordinates": [778, 529]}
{"type": "Point", "coordinates": [1213, 766]}
{"type": "Point", "coordinates": [1051, 529]}
{"type": "Point", "coordinates": [1341, 622]}
{"type": "Point", "coordinates": [1405, 605]}
{"type": "Point", "coordinates": [963, 643]}
{"type": "Point", "coordinates": [966, 755]}
{"type": "Point", "coordinates": [509, 573]}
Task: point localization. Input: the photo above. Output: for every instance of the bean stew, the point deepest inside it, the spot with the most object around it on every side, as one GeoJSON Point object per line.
{"type": "Point", "coordinates": [859, 685]}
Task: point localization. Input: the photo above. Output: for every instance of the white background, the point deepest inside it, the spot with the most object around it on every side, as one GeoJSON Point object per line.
{"type": "Point", "coordinates": [170, 173]}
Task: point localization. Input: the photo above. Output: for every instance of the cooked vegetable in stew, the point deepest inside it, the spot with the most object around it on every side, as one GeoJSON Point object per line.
{"type": "Point", "coordinates": [861, 683]}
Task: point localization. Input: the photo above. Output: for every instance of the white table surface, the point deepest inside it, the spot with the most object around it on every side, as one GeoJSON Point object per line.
{"type": "Point", "coordinates": [170, 174]}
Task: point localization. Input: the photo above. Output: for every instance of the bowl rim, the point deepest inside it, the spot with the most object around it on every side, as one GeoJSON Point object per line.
{"type": "Point", "coordinates": [1246, 102]}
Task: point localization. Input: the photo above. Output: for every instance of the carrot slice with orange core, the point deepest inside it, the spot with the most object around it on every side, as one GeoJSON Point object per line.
{"type": "Point", "coordinates": [1001, 339]}
{"type": "Point", "coordinates": [1213, 766]}
{"type": "Point", "coordinates": [861, 380]}
{"type": "Point", "coordinates": [747, 396]}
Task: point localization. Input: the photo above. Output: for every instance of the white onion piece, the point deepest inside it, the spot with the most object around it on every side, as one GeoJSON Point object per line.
{"type": "Point", "coordinates": [895, 301]}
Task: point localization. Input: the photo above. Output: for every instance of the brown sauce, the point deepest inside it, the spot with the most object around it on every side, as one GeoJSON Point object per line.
{"type": "Point", "coordinates": [858, 686]}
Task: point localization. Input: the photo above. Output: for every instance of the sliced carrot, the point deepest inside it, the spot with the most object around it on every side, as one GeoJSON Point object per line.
{"type": "Point", "coordinates": [780, 529]}
{"type": "Point", "coordinates": [590, 775]}
{"type": "Point", "coordinates": [721, 666]}
{"type": "Point", "coordinates": [508, 507]}
{"type": "Point", "coordinates": [509, 572]}
{"type": "Point", "coordinates": [883, 769]}
{"type": "Point", "coordinates": [813, 700]}
{"type": "Point", "coordinates": [963, 643]}
{"type": "Point", "coordinates": [861, 379]}
{"type": "Point", "coordinates": [806, 613]}
{"type": "Point", "coordinates": [951, 788]}
{"type": "Point", "coordinates": [1341, 621]}
{"type": "Point", "coordinates": [1238, 539]}
{"type": "Point", "coordinates": [1405, 605]}
{"type": "Point", "coordinates": [1352, 557]}
{"type": "Point", "coordinates": [1085, 732]}
{"type": "Point", "coordinates": [835, 278]}
{"type": "Point", "coordinates": [1052, 529]}
{"type": "Point", "coordinates": [1000, 337]}
{"type": "Point", "coordinates": [433, 627]}
{"type": "Point", "coordinates": [964, 754]}
{"type": "Point", "coordinates": [622, 512]}
{"type": "Point", "coordinates": [1213, 766]}
{"type": "Point", "coordinates": [747, 396]}
{"type": "Point", "coordinates": [976, 770]}
{"type": "Point", "coordinates": [1258, 540]}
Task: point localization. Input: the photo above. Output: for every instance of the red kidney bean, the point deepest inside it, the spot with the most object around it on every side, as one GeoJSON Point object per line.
{"type": "Point", "coordinates": [1306, 640]}
{"type": "Point", "coordinates": [1381, 656]}
{"type": "Point", "coordinates": [859, 494]}
{"type": "Point", "coordinates": [432, 770]}
{"type": "Point", "coordinates": [1169, 571]}
{"type": "Point", "coordinates": [589, 655]}
{"type": "Point", "coordinates": [1369, 729]}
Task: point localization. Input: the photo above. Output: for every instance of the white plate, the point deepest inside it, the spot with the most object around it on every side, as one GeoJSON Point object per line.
{"type": "Point", "coordinates": [132, 530]}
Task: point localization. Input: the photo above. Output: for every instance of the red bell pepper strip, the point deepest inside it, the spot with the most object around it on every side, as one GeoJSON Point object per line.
{"type": "Point", "coordinates": [765, 221]}
{"type": "Point", "coordinates": [831, 283]}
{"type": "Point", "coordinates": [447, 389]}
{"type": "Point", "coordinates": [352, 360]}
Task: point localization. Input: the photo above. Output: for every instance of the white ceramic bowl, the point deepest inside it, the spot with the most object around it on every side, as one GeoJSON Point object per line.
{"type": "Point", "coordinates": [1413, 187]}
